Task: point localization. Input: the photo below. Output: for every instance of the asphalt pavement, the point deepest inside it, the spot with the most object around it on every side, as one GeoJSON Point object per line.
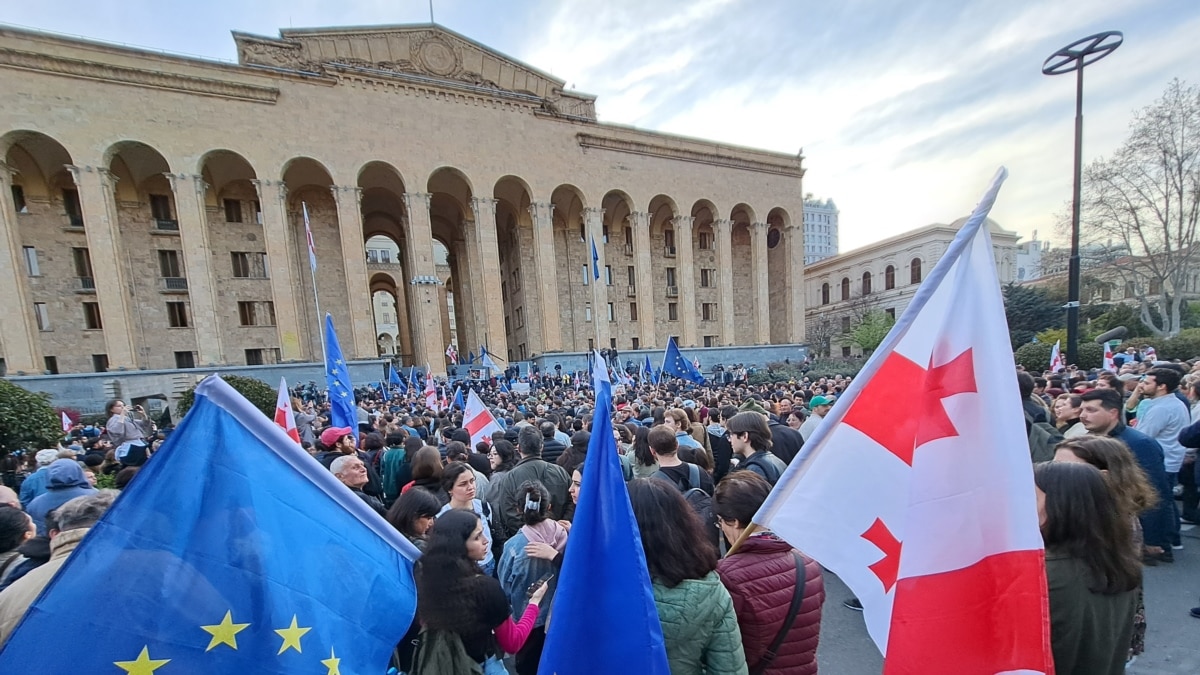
{"type": "Point", "coordinates": [1172, 636]}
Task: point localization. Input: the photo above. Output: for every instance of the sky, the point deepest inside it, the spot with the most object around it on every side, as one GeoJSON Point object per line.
{"type": "Point", "coordinates": [903, 110]}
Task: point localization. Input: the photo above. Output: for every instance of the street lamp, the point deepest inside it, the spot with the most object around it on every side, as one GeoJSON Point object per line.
{"type": "Point", "coordinates": [1074, 57]}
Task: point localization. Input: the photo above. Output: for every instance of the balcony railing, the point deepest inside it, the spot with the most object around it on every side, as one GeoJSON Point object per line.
{"type": "Point", "coordinates": [166, 225]}
{"type": "Point", "coordinates": [672, 291]}
{"type": "Point", "coordinates": [669, 251]}
{"type": "Point", "coordinates": [85, 285]}
{"type": "Point", "coordinates": [631, 291]}
{"type": "Point", "coordinates": [629, 249]}
{"type": "Point", "coordinates": [175, 284]}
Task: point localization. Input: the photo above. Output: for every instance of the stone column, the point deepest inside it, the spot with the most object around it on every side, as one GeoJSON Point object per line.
{"type": "Point", "coordinates": [113, 290]}
{"type": "Point", "coordinates": [354, 260]}
{"type": "Point", "coordinates": [593, 219]}
{"type": "Point", "coordinates": [285, 278]}
{"type": "Point", "coordinates": [427, 340]}
{"type": "Point", "coordinates": [762, 289]}
{"type": "Point", "coordinates": [644, 275]}
{"type": "Point", "coordinates": [18, 330]}
{"type": "Point", "coordinates": [723, 231]}
{"type": "Point", "coordinates": [546, 276]}
{"type": "Point", "coordinates": [487, 249]}
{"type": "Point", "coordinates": [686, 278]}
{"type": "Point", "coordinates": [189, 192]}
{"type": "Point", "coordinates": [797, 299]}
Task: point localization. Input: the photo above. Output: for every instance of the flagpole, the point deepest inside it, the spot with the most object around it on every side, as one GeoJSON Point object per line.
{"type": "Point", "coordinates": [313, 273]}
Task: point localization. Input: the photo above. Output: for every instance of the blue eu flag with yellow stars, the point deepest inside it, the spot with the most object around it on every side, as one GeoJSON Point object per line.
{"type": "Point", "coordinates": [233, 551]}
{"type": "Point", "coordinates": [343, 412]}
{"type": "Point", "coordinates": [674, 364]}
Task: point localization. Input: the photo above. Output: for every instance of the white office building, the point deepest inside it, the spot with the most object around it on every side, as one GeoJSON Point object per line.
{"type": "Point", "coordinates": [820, 229]}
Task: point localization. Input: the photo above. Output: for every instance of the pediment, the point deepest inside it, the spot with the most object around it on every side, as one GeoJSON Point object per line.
{"type": "Point", "coordinates": [425, 50]}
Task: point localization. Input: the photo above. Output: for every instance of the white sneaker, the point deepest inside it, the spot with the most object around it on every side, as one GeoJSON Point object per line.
{"type": "Point", "coordinates": [1176, 547]}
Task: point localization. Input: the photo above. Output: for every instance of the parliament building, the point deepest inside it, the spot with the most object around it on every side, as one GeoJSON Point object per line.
{"type": "Point", "coordinates": [153, 208]}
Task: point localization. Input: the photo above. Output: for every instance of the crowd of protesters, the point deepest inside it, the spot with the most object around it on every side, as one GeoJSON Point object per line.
{"type": "Point", "coordinates": [1115, 471]}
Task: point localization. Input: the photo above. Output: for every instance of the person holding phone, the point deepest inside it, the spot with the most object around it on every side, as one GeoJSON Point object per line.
{"type": "Point", "coordinates": [127, 432]}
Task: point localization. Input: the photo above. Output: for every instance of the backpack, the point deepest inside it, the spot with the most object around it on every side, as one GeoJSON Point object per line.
{"type": "Point", "coordinates": [495, 530]}
{"type": "Point", "coordinates": [771, 473]}
{"type": "Point", "coordinates": [698, 499]}
{"type": "Point", "coordinates": [441, 651]}
{"type": "Point", "coordinates": [1043, 438]}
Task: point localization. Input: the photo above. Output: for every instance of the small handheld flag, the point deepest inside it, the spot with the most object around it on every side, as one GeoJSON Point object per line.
{"type": "Point", "coordinates": [1109, 365]}
{"type": "Point", "coordinates": [312, 249]}
{"type": "Point", "coordinates": [595, 260]}
{"type": "Point", "coordinates": [285, 417]}
{"type": "Point", "coordinates": [342, 410]}
{"type": "Point", "coordinates": [1056, 362]}
{"type": "Point", "coordinates": [674, 364]}
{"type": "Point", "coordinates": [66, 422]}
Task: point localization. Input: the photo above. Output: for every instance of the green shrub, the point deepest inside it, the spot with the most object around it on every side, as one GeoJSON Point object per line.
{"type": "Point", "coordinates": [27, 420]}
{"type": "Point", "coordinates": [1035, 356]}
{"type": "Point", "coordinates": [260, 394]}
{"type": "Point", "coordinates": [834, 367]}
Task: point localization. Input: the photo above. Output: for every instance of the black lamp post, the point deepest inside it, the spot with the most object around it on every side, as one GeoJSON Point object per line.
{"type": "Point", "coordinates": [1074, 57]}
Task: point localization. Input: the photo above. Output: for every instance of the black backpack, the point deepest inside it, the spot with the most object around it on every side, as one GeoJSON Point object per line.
{"type": "Point", "coordinates": [771, 473]}
{"type": "Point", "coordinates": [698, 499]}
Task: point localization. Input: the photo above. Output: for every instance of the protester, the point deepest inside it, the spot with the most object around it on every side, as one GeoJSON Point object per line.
{"type": "Point", "coordinates": [698, 620]}
{"type": "Point", "coordinates": [502, 457]}
{"type": "Point", "coordinates": [1091, 570]}
{"type": "Point", "coordinates": [820, 406]}
{"type": "Point", "coordinates": [682, 475]}
{"type": "Point", "coordinates": [1066, 415]}
{"type": "Point", "coordinates": [643, 464]}
{"type": "Point", "coordinates": [455, 598]}
{"type": "Point", "coordinates": [458, 481]}
{"type": "Point", "coordinates": [505, 502]}
{"type": "Point", "coordinates": [1162, 415]}
{"type": "Point", "coordinates": [763, 576]}
{"type": "Point", "coordinates": [427, 473]}
{"type": "Point", "coordinates": [64, 482]}
{"type": "Point", "coordinates": [128, 432]}
{"type": "Point", "coordinates": [35, 483]}
{"type": "Point", "coordinates": [751, 441]}
{"type": "Point", "coordinates": [16, 527]}
{"type": "Point", "coordinates": [351, 471]}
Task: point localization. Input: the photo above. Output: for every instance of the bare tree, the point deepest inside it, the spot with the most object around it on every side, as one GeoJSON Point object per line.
{"type": "Point", "coordinates": [1146, 198]}
{"type": "Point", "coordinates": [820, 336]}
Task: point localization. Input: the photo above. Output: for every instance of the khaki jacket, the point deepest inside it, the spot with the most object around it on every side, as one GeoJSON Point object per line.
{"type": "Point", "coordinates": [16, 599]}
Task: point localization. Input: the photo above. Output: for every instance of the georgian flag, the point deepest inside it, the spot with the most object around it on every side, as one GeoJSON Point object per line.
{"type": "Point", "coordinates": [285, 417]}
{"type": "Point", "coordinates": [1108, 359]}
{"type": "Point", "coordinates": [479, 421]}
{"type": "Point", "coordinates": [431, 400]}
{"type": "Point", "coordinates": [452, 353]}
{"type": "Point", "coordinates": [946, 556]}
{"type": "Point", "coordinates": [1056, 362]}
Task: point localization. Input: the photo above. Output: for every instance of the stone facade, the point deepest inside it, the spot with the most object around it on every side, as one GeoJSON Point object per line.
{"type": "Point", "coordinates": [883, 276]}
{"type": "Point", "coordinates": [165, 198]}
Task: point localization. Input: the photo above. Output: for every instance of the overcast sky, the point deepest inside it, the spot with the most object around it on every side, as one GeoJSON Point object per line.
{"type": "Point", "coordinates": [903, 109]}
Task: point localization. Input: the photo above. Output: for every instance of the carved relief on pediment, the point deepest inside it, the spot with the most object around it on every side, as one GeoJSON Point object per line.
{"type": "Point", "coordinates": [436, 55]}
{"type": "Point", "coordinates": [269, 54]}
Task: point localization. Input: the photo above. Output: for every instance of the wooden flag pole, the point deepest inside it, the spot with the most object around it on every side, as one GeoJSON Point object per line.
{"type": "Point", "coordinates": [754, 527]}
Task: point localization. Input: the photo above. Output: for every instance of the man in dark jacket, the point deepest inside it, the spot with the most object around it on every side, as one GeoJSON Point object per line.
{"type": "Point", "coordinates": [551, 446]}
{"type": "Point", "coordinates": [1101, 415]}
{"type": "Point", "coordinates": [503, 497]}
{"type": "Point", "coordinates": [64, 482]}
{"type": "Point", "coordinates": [352, 472]}
{"type": "Point", "coordinates": [785, 441]}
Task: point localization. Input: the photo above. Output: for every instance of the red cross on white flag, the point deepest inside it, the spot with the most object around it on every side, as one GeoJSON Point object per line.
{"type": "Point", "coordinates": [917, 489]}
{"type": "Point", "coordinates": [285, 417]}
{"type": "Point", "coordinates": [478, 421]}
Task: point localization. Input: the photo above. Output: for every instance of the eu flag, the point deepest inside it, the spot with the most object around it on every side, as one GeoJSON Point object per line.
{"type": "Point", "coordinates": [458, 399]}
{"type": "Point", "coordinates": [649, 371]}
{"type": "Point", "coordinates": [232, 552]}
{"type": "Point", "coordinates": [342, 411]}
{"type": "Point", "coordinates": [604, 619]}
{"type": "Point", "coordinates": [675, 364]}
{"type": "Point", "coordinates": [595, 260]}
{"type": "Point", "coordinates": [394, 378]}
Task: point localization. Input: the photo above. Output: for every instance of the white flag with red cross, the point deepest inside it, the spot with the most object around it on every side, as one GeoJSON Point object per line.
{"type": "Point", "coordinates": [1056, 360]}
{"type": "Point", "coordinates": [1108, 359]}
{"type": "Point", "coordinates": [285, 417]}
{"type": "Point", "coordinates": [431, 400]}
{"type": "Point", "coordinates": [917, 490]}
{"type": "Point", "coordinates": [479, 421]}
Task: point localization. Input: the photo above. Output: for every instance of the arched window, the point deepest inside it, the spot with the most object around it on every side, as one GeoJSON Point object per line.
{"type": "Point", "coordinates": [889, 278]}
{"type": "Point", "coordinates": [915, 273]}
{"type": "Point", "coordinates": [825, 293]}
{"type": "Point", "coordinates": [845, 288]}
{"type": "Point", "coordinates": [866, 283]}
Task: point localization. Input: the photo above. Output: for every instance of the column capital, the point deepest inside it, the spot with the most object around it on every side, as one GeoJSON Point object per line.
{"type": "Point", "coordinates": [759, 227]}
{"type": "Point", "coordinates": [413, 200]}
{"type": "Point", "coordinates": [7, 171]}
{"type": "Point", "coordinates": [341, 192]}
{"type": "Point", "coordinates": [538, 210]}
{"type": "Point", "coordinates": [178, 180]}
{"type": "Point", "coordinates": [107, 178]}
{"type": "Point", "coordinates": [683, 222]}
{"type": "Point", "coordinates": [593, 212]}
{"type": "Point", "coordinates": [723, 223]}
{"type": "Point", "coordinates": [638, 217]}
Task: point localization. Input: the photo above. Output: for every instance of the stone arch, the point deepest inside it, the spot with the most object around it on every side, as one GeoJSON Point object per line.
{"type": "Point", "coordinates": [572, 255]}
{"type": "Point", "coordinates": [452, 222]}
{"type": "Point", "coordinates": [889, 277]}
{"type": "Point", "coordinates": [845, 294]}
{"type": "Point", "coordinates": [39, 162]}
{"type": "Point", "coordinates": [139, 171]}
{"type": "Point", "coordinates": [744, 285]}
{"type": "Point", "coordinates": [825, 293]}
{"type": "Point", "coordinates": [782, 254]}
{"type": "Point", "coordinates": [309, 186]}
{"type": "Point", "coordinates": [867, 280]}
{"type": "Point", "coordinates": [388, 307]}
{"type": "Point", "coordinates": [229, 175]}
{"type": "Point", "coordinates": [914, 271]}
{"type": "Point", "coordinates": [518, 281]}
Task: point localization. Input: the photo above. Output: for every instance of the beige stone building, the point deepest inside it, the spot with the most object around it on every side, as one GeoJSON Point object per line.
{"type": "Point", "coordinates": [152, 208]}
{"type": "Point", "coordinates": [883, 276]}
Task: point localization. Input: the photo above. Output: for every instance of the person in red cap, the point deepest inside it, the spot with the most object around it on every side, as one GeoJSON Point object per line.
{"type": "Point", "coordinates": [338, 441]}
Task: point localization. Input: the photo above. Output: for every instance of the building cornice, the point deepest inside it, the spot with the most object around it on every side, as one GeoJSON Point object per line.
{"type": "Point", "coordinates": [140, 77]}
{"type": "Point", "coordinates": [781, 167]}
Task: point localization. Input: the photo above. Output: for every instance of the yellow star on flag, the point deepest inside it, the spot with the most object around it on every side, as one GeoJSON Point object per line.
{"type": "Point", "coordinates": [224, 632]}
{"type": "Point", "coordinates": [144, 665]}
{"type": "Point", "coordinates": [332, 663]}
{"type": "Point", "coordinates": [291, 636]}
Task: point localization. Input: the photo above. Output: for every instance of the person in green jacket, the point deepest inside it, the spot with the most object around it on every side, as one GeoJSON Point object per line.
{"type": "Point", "coordinates": [699, 625]}
{"type": "Point", "coordinates": [1091, 571]}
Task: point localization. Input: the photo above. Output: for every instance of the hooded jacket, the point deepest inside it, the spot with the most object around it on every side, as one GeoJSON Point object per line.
{"type": "Point", "coordinates": [64, 482]}
{"type": "Point", "coordinates": [700, 628]}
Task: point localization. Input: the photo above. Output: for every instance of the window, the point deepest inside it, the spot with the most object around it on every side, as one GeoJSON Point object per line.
{"type": "Point", "coordinates": [672, 311]}
{"type": "Point", "coordinates": [846, 352]}
{"type": "Point", "coordinates": [504, 290]}
{"type": "Point", "coordinates": [628, 238]}
{"type": "Point", "coordinates": [100, 363]}
{"type": "Point", "coordinates": [520, 317]}
{"type": "Point", "coordinates": [257, 212]}
{"type": "Point", "coordinates": [604, 233]}
{"type": "Point", "coordinates": [256, 313]}
{"type": "Point", "coordinates": [891, 312]}
{"type": "Point", "coordinates": [866, 283]}
{"type": "Point", "coordinates": [608, 275]}
{"type": "Point", "coordinates": [914, 275]}
{"type": "Point", "coordinates": [635, 344]}
{"type": "Point", "coordinates": [1155, 287]}
{"type": "Point", "coordinates": [705, 241]}
{"type": "Point", "coordinates": [587, 275]}
{"type": "Point", "coordinates": [633, 313]}
{"type": "Point", "coordinates": [51, 364]}
{"type": "Point", "coordinates": [18, 195]}
{"type": "Point", "coordinates": [591, 344]}
{"type": "Point", "coordinates": [612, 316]}
{"type": "Point", "coordinates": [72, 207]}
{"type": "Point", "coordinates": [1130, 291]}
{"type": "Point", "coordinates": [521, 351]}
{"type": "Point", "coordinates": [587, 312]}
{"type": "Point", "coordinates": [160, 210]}
{"type": "Point", "coordinates": [241, 264]}
{"type": "Point", "coordinates": [845, 288]}
{"type": "Point", "coordinates": [710, 341]}
{"type": "Point", "coordinates": [233, 211]}
{"type": "Point", "coordinates": [845, 324]}
{"type": "Point", "coordinates": [671, 276]}
{"type": "Point", "coordinates": [177, 316]}
{"type": "Point", "coordinates": [632, 274]}
{"type": "Point", "coordinates": [258, 357]}
{"type": "Point", "coordinates": [91, 316]}
{"type": "Point", "coordinates": [706, 277]}
{"type": "Point", "coordinates": [1106, 292]}
{"type": "Point", "coordinates": [83, 263]}
{"type": "Point", "coordinates": [168, 264]}
{"type": "Point", "coordinates": [249, 264]}
{"type": "Point", "coordinates": [43, 317]}
{"type": "Point", "coordinates": [669, 241]}
{"type": "Point", "coordinates": [31, 261]}
{"type": "Point", "coordinates": [889, 278]}
{"type": "Point", "coordinates": [825, 294]}
{"type": "Point", "coordinates": [708, 311]}
{"type": "Point", "coordinates": [612, 342]}
{"type": "Point", "coordinates": [185, 359]}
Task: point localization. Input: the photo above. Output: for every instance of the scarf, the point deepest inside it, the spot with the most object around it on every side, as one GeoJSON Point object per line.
{"type": "Point", "coordinates": [547, 532]}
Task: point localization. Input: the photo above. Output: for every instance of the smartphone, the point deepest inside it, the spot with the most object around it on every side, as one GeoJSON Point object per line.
{"type": "Point", "coordinates": [540, 582]}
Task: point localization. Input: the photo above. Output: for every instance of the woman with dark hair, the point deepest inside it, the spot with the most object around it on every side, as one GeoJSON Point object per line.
{"type": "Point", "coordinates": [574, 455]}
{"type": "Point", "coordinates": [503, 457]}
{"type": "Point", "coordinates": [457, 602]}
{"type": "Point", "coordinates": [794, 419]}
{"type": "Point", "coordinates": [456, 451]}
{"type": "Point", "coordinates": [762, 577]}
{"type": "Point", "coordinates": [1066, 409]}
{"type": "Point", "coordinates": [644, 464]}
{"type": "Point", "coordinates": [16, 527]}
{"type": "Point", "coordinates": [1092, 573]}
{"type": "Point", "coordinates": [413, 514]}
{"type": "Point", "coordinates": [458, 481]}
{"type": "Point", "coordinates": [127, 431]}
{"type": "Point", "coordinates": [427, 473]}
{"type": "Point", "coordinates": [517, 570]}
{"type": "Point", "coordinates": [698, 621]}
